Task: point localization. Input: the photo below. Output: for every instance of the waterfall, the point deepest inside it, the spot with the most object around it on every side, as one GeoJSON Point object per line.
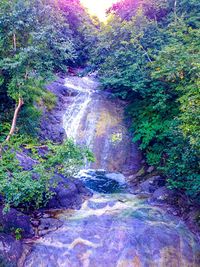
{"type": "Point", "coordinates": [93, 120]}
{"type": "Point", "coordinates": [76, 111]}
{"type": "Point", "coordinates": [112, 227]}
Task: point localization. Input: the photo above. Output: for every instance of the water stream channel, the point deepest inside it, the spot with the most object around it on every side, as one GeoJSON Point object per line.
{"type": "Point", "coordinates": [113, 228]}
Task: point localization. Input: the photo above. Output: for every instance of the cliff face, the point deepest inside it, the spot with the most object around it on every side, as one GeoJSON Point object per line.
{"type": "Point", "coordinates": [92, 119]}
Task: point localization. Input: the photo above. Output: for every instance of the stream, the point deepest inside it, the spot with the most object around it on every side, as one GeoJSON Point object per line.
{"type": "Point", "coordinates": [113, 228]}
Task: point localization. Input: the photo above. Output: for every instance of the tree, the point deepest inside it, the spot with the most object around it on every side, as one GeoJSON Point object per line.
{"type": "Point", "coordinates": [35, 41]}
{"type": "Point", "coordinates": [32, 188]}
{"type": "Point", "coordinates": [148, 54]}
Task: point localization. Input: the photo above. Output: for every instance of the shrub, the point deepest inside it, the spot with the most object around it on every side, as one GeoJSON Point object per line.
{"type": "Point", "coordinates": [31, 188]}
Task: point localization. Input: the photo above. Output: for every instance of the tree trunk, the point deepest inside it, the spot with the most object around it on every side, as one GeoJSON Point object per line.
{"type": "Point", "coordinates": [14, 42]}
{"type": "Point", "coordinates": [175, 10]}
{"type": "Point", "coordinates": [14, 121]}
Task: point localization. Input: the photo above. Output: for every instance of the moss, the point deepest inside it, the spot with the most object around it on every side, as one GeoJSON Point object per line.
{"type": "Point", "coordinates": [116, 137]}
{"type": "Point", "coordinates": [106, 119]}
{"type": "Point", "coordinates": [141, 172]}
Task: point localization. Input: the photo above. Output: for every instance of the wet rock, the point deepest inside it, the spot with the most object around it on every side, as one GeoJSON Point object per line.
{"type": "Point", "coordinates": [151, 184]}
{"type": "Point", "coordinates": [15, 219]}
{"type": "Point", "coordinates": [95, 121]}
{"type": "Point", "coordinates": [130, 232]}
{"type": "Point", "coordinates": [120, 178]}
{"type": "Point", "coordinates": [82, 190]}
{"type": "Point", "coordinates": [95, 206]}
{"type": "Point", "coordinates": [98, 172]}
{"type": "Point", "coordinates": [35, 223]}
{"type": "Point", "coordinates": [94, 74]}
{"type": "Point", "coordinates": [46, 215]}
{"type": "Point", "coordinates": [69, 193]}
{"type": "Point", "coordinates": [192, 218]}
{"type": "Point", "coordinates": [10, 250]}
{"type": "Point", "coordinates": [162, 195]}
{"type": "Point", "coordinates": [103, 119]}
{"type": "Point", "coordinates": [150, 169]}
{"type": "Point", "coordinates": [48, 225]}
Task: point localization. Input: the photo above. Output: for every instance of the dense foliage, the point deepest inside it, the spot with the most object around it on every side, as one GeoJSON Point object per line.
{"type": "Point", "coordinates": [30, 186]}
{"type": "Point", "coordinates": [148, 54]}
{"type": "Point", "coordinates": [38, 39]}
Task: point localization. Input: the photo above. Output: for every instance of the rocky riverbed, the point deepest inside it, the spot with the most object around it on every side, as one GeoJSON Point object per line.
{"type": "Point", "coordinates": [115, 228]}
{"type": "Point", "coordinates": [116, 212]}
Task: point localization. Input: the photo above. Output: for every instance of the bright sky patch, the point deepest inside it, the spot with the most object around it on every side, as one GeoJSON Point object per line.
{"type": "Point", "coordinates": [98, 7]}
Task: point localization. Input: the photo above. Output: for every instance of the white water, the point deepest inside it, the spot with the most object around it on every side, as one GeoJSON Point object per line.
{"type": "Point", "coordinates": [94, 121]}
{"type": "Point", "coordinates": [75, 113]}
{"type": "Point", "coordinates": [77, 109]}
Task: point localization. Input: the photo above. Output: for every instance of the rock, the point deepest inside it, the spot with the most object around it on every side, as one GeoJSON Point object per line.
{"type": "Point", "coordinates": [93, 74]}
{"type": "Point", "coordinates": [193, 219]}
{"type": "Point", "coordinates": [151, 184]}
{"type": "Point", "coordinates": [10, 250]}
{"type": "Point", "coordinates": [133, 177]}
{"type": "Point", "coordinates": [120, 178]}
{"type": "Point", "coordinates": [69, 193]}
{"type": "Point", "coordinates": [82, 190]}
{"type": "Point", "coordinates": [52, 131]}
{"type": "Point", "coordinates": [99, 172]}
{"type": "Point", "coordinates": [51, 121]}
{"type": "Point", "coordinates": [25, 161]}
{"type": "Point", "coordinates": [150, 169]}
{"type": "Point", "coordinates": [46, 215]}
{"type": "Point", "coordinates": [15, 219]}
{"type": "Point", "coordinates": [117, 230]}
{"type": "Point", "coordinates": [35, 223]}
{"type": "Point", "coordinates": [162, 194]}
{"type": "Point", "coordinates": [48, 225]}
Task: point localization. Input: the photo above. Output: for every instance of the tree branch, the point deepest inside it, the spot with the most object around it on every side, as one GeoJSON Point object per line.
{"type": "Point", "coordinates": [14, 121]}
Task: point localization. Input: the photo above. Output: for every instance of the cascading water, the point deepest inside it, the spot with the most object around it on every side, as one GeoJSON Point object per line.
{"type": "Point", "coordinates": [95, 121]}
{"type": "Point", "coordinates": [113, 228]}
{"type": "Point", "coordinates": [77, 109]}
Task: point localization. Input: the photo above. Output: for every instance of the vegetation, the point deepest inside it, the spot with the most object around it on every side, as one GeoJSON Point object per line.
{"type": "Point", "coordinates": [37, 39]}
{"type": "Point", "coordinates": [27, 188]}
{"type": "Point", "coordinates": [148, 54]}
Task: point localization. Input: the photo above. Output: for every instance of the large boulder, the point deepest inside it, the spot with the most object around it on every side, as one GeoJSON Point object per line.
{"type": "Point", "coordinates": [13, 220]}
{"type": "Point", "coordinates": [69, 193]}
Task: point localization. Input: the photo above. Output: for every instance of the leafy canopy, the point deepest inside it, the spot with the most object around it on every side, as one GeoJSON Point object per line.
{"type": "Point", "coordinates": [148, 54]}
